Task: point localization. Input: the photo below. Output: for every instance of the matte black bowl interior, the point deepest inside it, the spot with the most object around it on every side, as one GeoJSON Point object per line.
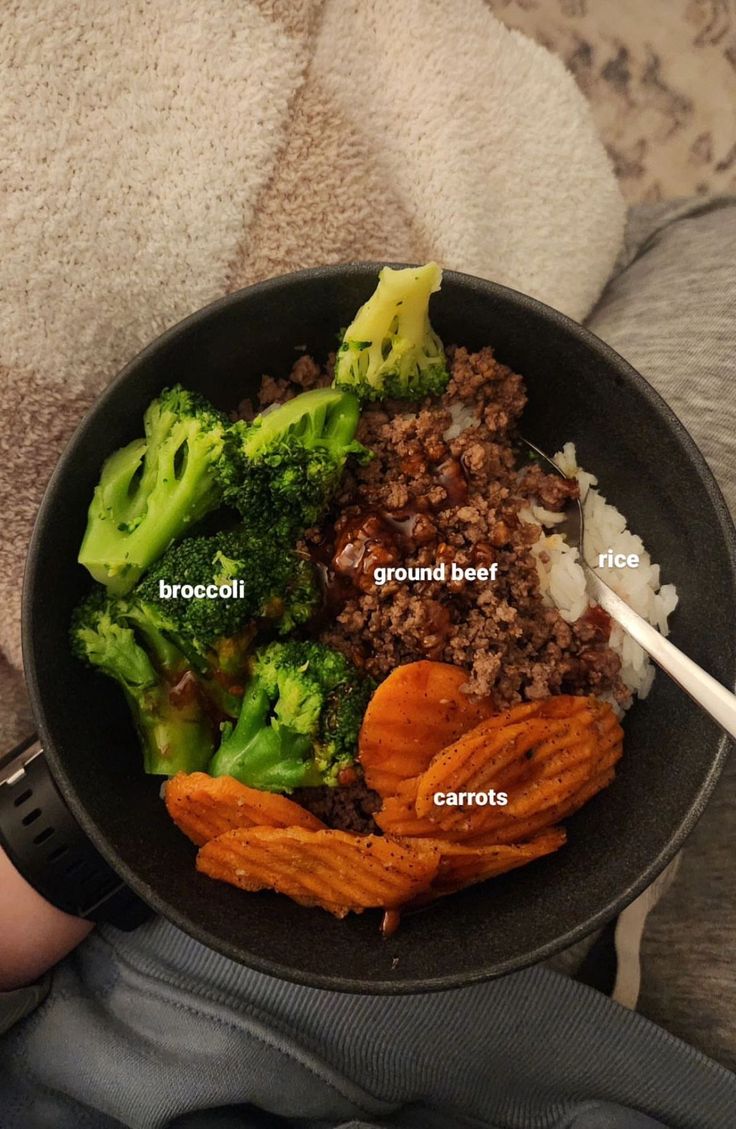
{"type": "Point", "coordinates": [647, 465]}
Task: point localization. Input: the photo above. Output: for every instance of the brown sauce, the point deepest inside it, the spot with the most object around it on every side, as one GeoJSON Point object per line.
{"type": "Point", "coordinates": [451, 477]}
{"type": "Point", "coordinates": [390, 922]}
{"type": "Point", "coordinates": [364, 541]}
{"type": "Point", "coordinates": [594, 625]}
{"type": "Point", "coordinates": [186, 691]}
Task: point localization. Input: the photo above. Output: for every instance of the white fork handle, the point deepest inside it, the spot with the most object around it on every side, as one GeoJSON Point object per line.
{"type": "Point", "coordinates": [710, 695]}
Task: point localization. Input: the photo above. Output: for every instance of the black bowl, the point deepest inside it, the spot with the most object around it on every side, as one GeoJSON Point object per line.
{"type": "Point", "coordinates": [648, 466]}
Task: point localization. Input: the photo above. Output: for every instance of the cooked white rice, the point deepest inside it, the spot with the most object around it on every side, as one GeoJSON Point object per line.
{"type": "Point", "coordinates": [562, 579]}
{"type": "Point", "coordinates": [463, 416]}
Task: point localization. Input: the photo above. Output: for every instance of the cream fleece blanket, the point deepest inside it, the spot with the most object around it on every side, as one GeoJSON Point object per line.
{"type": "Point", "coordinates": [156, 154]}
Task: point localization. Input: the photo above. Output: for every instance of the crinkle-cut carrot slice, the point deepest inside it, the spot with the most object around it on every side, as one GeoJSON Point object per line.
{"type": "Point", "coordinates": [540, 761]}
{"type": "Point", "coordinates": [479, 761]}
{"type": "Point", "coordinates": [418, 710]}
{"type": "Point", "coordinates": [488, 825]}
{"type": "Point", "coordinates": [464, 865]}
{"type": "Point", "coordinates": [398, 817]}
{"type": "Point", "coordinates": [513, 828]}
{"type": "Point", "coordinates": [560, 788]}
{"type": "Point", "coordinates": [385, 783]}
{"type": "Point", "coordinates": [554, 777]}
{"type": "Point", "coordinates": [335, 870]}
{"type": "Point", "coordinates": [566, 766]}
{"type": "Point", "coordinates": [204, 807]}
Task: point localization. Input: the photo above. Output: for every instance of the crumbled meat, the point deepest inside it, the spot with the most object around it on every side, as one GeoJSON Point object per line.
{"type": "Point", "coordinates": [349, 808]}
{"type": "Point", "coordinates": [423, 500]}
{"type": "Point", "coordinates": [552, 490]}
{"type": "Point", "coordinates": [305, 374]}
{"type": "Point", "coordinates": [275, 390]}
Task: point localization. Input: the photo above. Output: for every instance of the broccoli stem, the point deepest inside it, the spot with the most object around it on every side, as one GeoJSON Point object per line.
{"type": "Point", "coordinates": [324, 417]}
{"type": "Point", "coordinates": [174, 738]}
{"type": "Point", "coordinates": [390, 350]}
{"type": "Point", "coordinates": [268, 757]}
{"type": "Point", "coordinates": [175, 732]}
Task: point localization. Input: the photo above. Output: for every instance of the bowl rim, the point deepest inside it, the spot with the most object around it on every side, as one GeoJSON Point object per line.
{"type": "Point", "coordinates": [197, 929]}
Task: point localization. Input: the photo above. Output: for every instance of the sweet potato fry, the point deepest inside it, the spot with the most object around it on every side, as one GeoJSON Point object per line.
{"type": "Point", "coordinates": [462, 865]}
{"type": "Point", "coordinates": [204, 807]}
{"type": "Point", "coordinates": [417, 711]}
{"type": "Point", "coordinates": [333, 869]}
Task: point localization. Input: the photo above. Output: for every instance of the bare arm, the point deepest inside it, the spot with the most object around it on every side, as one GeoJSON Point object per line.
{"type": "Point", "coordinates": [34, 935]}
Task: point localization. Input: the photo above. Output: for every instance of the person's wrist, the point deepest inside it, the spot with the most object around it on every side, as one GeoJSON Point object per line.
{"type": "Point", "coordinates": [35, 935]}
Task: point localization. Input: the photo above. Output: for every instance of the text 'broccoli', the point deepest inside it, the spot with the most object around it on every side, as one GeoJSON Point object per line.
{"type": "Point", "coordinates": [268, 581]}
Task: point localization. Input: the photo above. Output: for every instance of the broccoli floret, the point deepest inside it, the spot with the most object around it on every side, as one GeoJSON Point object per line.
{"type": "Point", "coordinates": [390, 349]}
{"type": "Point", "coordinates": [212, 635]}
{"type": "Point", "coordinates": [267, 580]}
{"type": "Point", "coordinates": [294, 457]}
{"type": "Point", "coordinates": [154, 490]}
{"type": "Point", "coordinates": [217, 668]}
{"type": "Point", "coordinates": [300, 719]}
{"type": "Point", "coordinates": [175, 731]}
{"type": "Point", "coordinates": [157, 633]}
{"type": "Point", "coordinates": [303, 596]}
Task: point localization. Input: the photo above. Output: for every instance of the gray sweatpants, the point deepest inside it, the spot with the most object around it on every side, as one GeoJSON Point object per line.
{"type": "Point", "coordinates": [143, 1028]}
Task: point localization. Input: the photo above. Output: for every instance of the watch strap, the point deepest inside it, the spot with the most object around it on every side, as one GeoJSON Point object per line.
{"type": "Point", "coordinates": [48, 847]}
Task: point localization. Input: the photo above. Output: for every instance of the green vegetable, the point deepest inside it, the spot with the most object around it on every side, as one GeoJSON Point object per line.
{"type": "Point", "coordinates": [154, 490]}
{"type": "Point", "coordinates": [299, 722]}
{"type": "Point", "coordinates": [268, 580]}
{"type": "Point", "coordinates": [175, 732]}
{"type": "Point", "coordinates": [390, 349]}
{"type": "Point", "coordinates": [218, 668]}
{"type": "Point", "coordinates": [285, 466]}
{"type": "Point", "coordinates": [201, 643]}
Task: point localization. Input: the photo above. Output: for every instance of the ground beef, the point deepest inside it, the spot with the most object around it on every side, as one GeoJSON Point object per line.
{"type": "Point", "coordinates": [305, 374]}
{"type": "Point", "coordinates": [432, 495]}
{"type": "Point", "coordinates": [551, 490]}
{"type": "Point", "coordinates": [350, 807]}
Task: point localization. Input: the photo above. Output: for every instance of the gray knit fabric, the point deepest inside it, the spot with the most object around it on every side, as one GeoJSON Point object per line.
{"type": "Point", "coordinates": [141, 1029]}
{"type": "Point", "coordinates": [672, 314]}
{"type": "Point", "coordinates": [16, 1005]}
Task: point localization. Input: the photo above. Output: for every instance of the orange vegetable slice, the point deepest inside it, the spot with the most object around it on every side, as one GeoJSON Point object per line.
{"type": "Point", "coordinates": [514, 830]}
{"type": "Point", "coordinates": [335, 870]}
{"type": "Point", "coordinates": [204, 807]}
{"type": "Point", "coordinates": [464, 865]}
{"type": "Point", "coordinates": [540, 761]}
{"type": "Point", "coordinates": [417, 711]}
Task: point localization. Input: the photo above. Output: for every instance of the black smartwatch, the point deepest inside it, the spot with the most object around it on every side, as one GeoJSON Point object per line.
{"type": "Point", "coordinates": [51, 851]}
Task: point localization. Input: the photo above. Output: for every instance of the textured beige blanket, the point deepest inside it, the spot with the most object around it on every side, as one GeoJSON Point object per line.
{"type": "Point", "coordinates": [156, 154]}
